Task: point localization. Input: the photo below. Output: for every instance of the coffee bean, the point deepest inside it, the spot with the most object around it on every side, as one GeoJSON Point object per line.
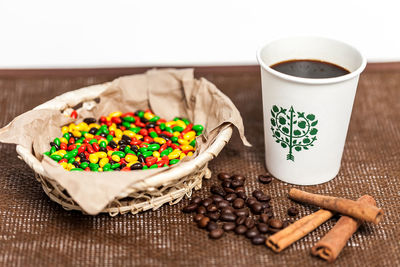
{"type": "Point", "coordinates": [270, 214]}
{"type": "Point", "coordinates": [262, 227]}
{"type": "Point", "coordinates": [223, 175]}
{"type": "Point", "coordinates": [217, 190]}
{"type": "Point", "coordinates": [273, 230]}
{"type": "Point", "coordinates": [241, 195]}
{"type": "Point", "coordinates": [240, 220]}
{"type": "Point", "coordinates": [264, 218]}
{"type": "Point", "coordinates": [238, 203]}
{"type": "Point", "coordinates": [242, 212]}
{"type": "Point", "coordinates": [251, 200]}
{"type": "Point", "coordinates": [223, 204]}
{"type": "Point", "coordinates": [213, 215]}
{"type": "Point", "coordinates": [228, 209]}
{"type": "Point", "coordinates": [292, 211]}
{"type": "Point", "coordinates": [285, 224]}
{"type": "Point", "coordinates": [231, 197]}
{"type": "Point", "coordinates": [258, 240]}
{"type": "Point", "coordinates": [239, 189]}
{"type": "Point", "coordinates": [211, 226]}
{"type": "Point", "coordinates": [228, 217]}
{"type": "Point", "coordinates": [226, 184]}
{"type": "Point", "coordinates": [212, 208]}
{"type": "Point", "coordinates": [240, 230]}
{"type": "Point", "coordinates": [256, 208]}
{"type": "Point", "coordinates": [206, 202]}
{"type": "Point", "coordinates": [203, 222]}
{"type": "Point", "coordinates": [198, 217]}
{"type": "Point", "coordinates": [257, 193]}
{"type": "Point", "coordinates": [217, 198]}
{"type": "Point", "coordinates": [216, 233]}
{"type": "Point", "coordinates": [265, 179]}
{"type": "Point", "coordinates": [196, 200]}
{"type": "Point", "coordinates": [229, 190]}
{"type": "Point", "coordinates": [190, 208]}
{"type": "Point", "coordinates": [249, 223]}
{"type": "Point", "coordinates": [263, 198]}
{"type": "Point", "coordinates": [236, 183]}
{"type": "Point", "coordinates": [275, 223]}
{"type": "Point", "coordinates": [201, 210]}
{"type": "Point", "coordinates": [252, 232]}
{"type": "Point", "coordinates": [238, 177]}
{"type": "Point", "coordinates": [229, 226]}
{"type": "Point", "coordinates": [265, 205]}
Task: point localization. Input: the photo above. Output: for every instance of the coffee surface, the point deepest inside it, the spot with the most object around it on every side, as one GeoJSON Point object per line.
{"type": "Point", "coordinates": [314, 69]}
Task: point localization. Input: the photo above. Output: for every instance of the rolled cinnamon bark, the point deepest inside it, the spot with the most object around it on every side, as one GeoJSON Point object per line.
{"type": "Point", "coordinates": [329, 247]}
{"type": "Point", "coordinates": [282, 239]}
{"type": "Point", "coordinates": [355, 209]}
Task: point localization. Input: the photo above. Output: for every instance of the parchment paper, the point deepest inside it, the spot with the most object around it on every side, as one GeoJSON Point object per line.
{"type": "Point", "coordinates": [168, 93]}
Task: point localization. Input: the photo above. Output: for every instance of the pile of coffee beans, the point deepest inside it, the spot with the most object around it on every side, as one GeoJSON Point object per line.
{"type": "Point", "coordinates": [230, 209]}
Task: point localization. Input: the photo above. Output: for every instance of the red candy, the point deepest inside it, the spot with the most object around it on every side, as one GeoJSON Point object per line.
{"type": "Point", "coordinates": [74, 114]}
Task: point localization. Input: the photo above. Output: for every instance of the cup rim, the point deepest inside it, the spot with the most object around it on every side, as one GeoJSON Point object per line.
{"type": "Point", "coordinates": [311, 80]}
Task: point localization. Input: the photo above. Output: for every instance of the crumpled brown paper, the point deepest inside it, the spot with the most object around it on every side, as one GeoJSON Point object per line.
{"type": "Point", "coordinates": [168, 93]}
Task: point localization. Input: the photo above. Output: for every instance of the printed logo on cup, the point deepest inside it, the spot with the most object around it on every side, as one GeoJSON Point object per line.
{"type": "Point", "coordinates": [293, 130]}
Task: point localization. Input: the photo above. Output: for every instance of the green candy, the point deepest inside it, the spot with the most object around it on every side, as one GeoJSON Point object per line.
{"type": "Point", "coordinates": [107, 167]}
{"type": "Point", "coordinates": [154, 166]}
{"type": "Point", "coordinates": [126, 124]}
{"type": "Point", "coordinates": [115, 165]}
{"type": "Point", "coordinates": [103, 128]}
{"type": "Point", "coordinates": [129, 119]}
{"type": "Point", "coordinates": [145, 167]}
{"type": "Point", "coordinates": [178, 129]}
{"type": "Point", "coordinates": [67, 136]}
{"type": "Point", "coordinates": [140, 114]}
{"type": "Point", "coordinates": [154, 119]}
{"type": "Point", "coordinates": [79, 141]}
{"type": "Point", "coordinates": [83, 133]}
{"type": "Point", "coordinates": [98, 132]}
{"type": "Point", "coordinates": [135, 129]}
{"type": "Point", "coordinates": [164, 153]}
{"type": "Point", "coordinates": [69, 155]}
{"type": "Point", "coordinates": [153, 134]}
{"type": "Point", "coordinates": [176, 118]}
{"type": "Point", "coordinates": [147, 154]}
{"type": "Point", "coordinates": [56, 157]}
{"type": "Point", "coordinates": [71, 160]}
{"type": "Point", "coordinates": [103, 144]}
{"type": "Point", "coordinates": [193, 143]}
{"type": "Point", "coordinates": [168, 129]}
{"type": "Point", "coordinates": [53, 149]}
{"type": "Point", "coordinates": [127, 149]}
{"type": "Point", "coordinates": [76, 169]}
{"type": "Point", "coordinates": [186, 121]}
{"type": "Point", "coordinates": [165, 165]}
{"type": "Point", "coordinates": [162, 126]}
{"type": "Point", "coordinates": [93, 166]}
{"type": "Point", "coordinates": [143, 149]}
{"type": "Point", "coordinates": [174, 139]}
{"type": "Point", "coordinates": [198, 128]}
{"type": "Point", "coordinates": [74, 152]}
{"type": "Point", "coordinates": [169, 149]}
{"type": "Point", "coordinates": [173, 161]}
{"type": "Point", "coordinates": [119, 154]}
{"type": "Point", "coordinates": [84, 165]}
{"type": "Point", "coordinates": [154, 147]}
{"type": "Point", "coordinates": [109, 138]}
{"type": "Point", "coordinates": [57, 141]}
{"type": "Point", "coordinates": [47, 153]}
{"type": "Point", "coordinates": [94, 140]}
{"type": "Point", "coordinates": [198, 133]}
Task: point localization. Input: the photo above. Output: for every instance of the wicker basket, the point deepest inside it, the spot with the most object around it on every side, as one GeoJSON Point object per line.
{"type": "Point", "coordinates": [169, 186]}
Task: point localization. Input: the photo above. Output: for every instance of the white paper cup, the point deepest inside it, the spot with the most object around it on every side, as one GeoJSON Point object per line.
{"type": "Point", "coordinates": [306, 120]}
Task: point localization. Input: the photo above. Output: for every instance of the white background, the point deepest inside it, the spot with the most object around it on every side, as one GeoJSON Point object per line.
{"type": "Point", "coordinates": [101, 33]}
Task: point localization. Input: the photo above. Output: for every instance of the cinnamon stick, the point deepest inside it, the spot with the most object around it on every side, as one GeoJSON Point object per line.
{"type": "Point", "coordinates": [329, 247]}
{"type": "Point", "coordinates": [297, 230]}
{"type": "Point", "coordinates": [355, 209]}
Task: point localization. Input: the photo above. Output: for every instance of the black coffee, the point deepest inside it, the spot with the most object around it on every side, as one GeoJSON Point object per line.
{"type": "Point", "coordinates": [307, 68]}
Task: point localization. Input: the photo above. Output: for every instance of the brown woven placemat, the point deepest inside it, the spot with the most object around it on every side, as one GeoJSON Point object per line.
{"type": "Point", "coordinates": [35, 231]}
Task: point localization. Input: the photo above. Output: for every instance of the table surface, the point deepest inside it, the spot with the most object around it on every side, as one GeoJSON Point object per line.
{"type": "Point", "coordinates": [36, 231]}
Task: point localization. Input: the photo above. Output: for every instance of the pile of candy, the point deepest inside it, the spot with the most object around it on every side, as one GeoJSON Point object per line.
{"type": "Point", "coordinates": [124, 142]}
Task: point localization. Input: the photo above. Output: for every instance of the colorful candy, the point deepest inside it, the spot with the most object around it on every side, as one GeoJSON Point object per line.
{"type": "Point", "coordinates": [124, 142]}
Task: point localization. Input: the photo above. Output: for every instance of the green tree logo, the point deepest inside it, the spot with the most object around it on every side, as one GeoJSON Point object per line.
{"type": "Point", "coordinates": [293, 129]}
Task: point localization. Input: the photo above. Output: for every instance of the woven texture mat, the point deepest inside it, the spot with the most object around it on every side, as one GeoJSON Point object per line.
{"type": "Point", "coordinates": [36, 231]}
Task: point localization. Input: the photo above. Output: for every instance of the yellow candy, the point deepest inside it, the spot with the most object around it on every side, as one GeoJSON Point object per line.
{"type": "Point", "coordinates": [110, 152]}
{"type": "Point", "coordinates": [183, 141]}
{"type": "Point", "coordinates": [170, 123]}
{"type": "Point", "coordinates": [64, 165]}
{"type": "Point", "coordinates": [138, 136]}
{"type": "Point", "coordinates": [115, 114]}
{"type": "Point", "coordinates": [131, 158]}
{"type": "Point", "coordinates": [129, 133]}
{"type": "Point", "coordinates": [103, 162]}
{"type": "Point", "coordinates": [93, 158]}
{"type": "Point", "coordinates": [181, 124]}
{"type": "Point", "coordinates": [64, 129]}
{"type": "Point", "coordinates": [187, 147]}
{"type": "Point", "coordinates": [70, 166]}
{"type": "Point", "coordinates": [174, 154]}
{"type": "Point", "coordinates": [60, 153]}
{"type": "Point", "coordinates": [190, 154]}
{"type": "Point", "coordinates": [95, 125]}
{"type": "Point", "coordinates": [159, 140]}
{"type": "Point", "coordinates": [148, 115]}
{"type": "Point", "coordinates": [77, 133]}
{"type": "Point", "coordinates": [82, 127]}
{"type": "Point", "coordinates": [189, 135]}
{"type": "Point", "coordinates": [71, 127]}
{"type": "Point", "coordinates": [176, 134]}
{"type": "Point", "coordinates": [182, 155]}
{"type": "Point", "coordinates": [88, 135]}
{"type": "Point", "coordinates": [100, 169]}
{"type": "Point", "coordinates": [63, 140]}
{"type": "Point", "coordinates": [113, 127]}
{"type": "Point", "coordinates": [116, 140]}
{"type": "Point", "coordinates": [78, 159]}
{"type": "Point", "coordinates": [156, 154]}
{"type": "Point", "coordinates": [115, 158]}
{"type": "Point", "coordinates": [101, 154]}
{"type": "Point", "coordinates": [118, 133]}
